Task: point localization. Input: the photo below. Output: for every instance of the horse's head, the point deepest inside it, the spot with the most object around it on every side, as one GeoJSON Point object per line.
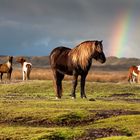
{"type": "Point", "coordinates": [10, 58]}
{"type": "Point", "coordinates": [20, 60]}
{"type": "Point", "coordinates": [98, 52]}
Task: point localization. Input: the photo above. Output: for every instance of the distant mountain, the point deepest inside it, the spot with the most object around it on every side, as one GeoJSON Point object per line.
{"type": "Point", "coordinates": [122, 61]}
{"type": "Point", "coordinates": [37, 61]}
{"type": "Point", "coordinates": [112, 63]}
{"type": "Point", "coordinates": [115, 63]}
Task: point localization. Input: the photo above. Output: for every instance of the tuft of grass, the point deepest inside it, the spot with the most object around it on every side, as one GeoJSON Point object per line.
{"type": "Point", "coordinates": [127, 132]}
{"type": "Point", "coordinates": [70, 119]}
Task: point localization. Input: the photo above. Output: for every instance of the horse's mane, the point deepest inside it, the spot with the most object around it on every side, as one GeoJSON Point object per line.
{"type": "Point", "coordinates": [81, 53]}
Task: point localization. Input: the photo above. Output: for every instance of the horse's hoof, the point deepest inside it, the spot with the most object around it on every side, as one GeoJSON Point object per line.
{"type": "Point", "coordinates": [84, 97]}
{"type": "Point", "coordinates": [57, 98]}
{"type": "Point", "coordinates": [73, 98]}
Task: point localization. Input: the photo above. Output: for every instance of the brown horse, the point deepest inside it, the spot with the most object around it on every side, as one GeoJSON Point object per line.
{"type": "Point", "coordinates": [7, 68]}
{"type": "Point", "coordinates": [133, 74]}
{"type": "Point", "coordinates": [75, 62]}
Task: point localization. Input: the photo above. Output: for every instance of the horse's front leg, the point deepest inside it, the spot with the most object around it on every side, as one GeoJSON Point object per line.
{"type": "Point", "coordinates": [23, 75]}
{"type": "Point", "coordinates": [75, 77]}
{"type": "Point", "coordinates": [83, 79]}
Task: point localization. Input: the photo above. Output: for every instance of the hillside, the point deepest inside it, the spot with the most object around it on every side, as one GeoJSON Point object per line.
{"type": "Point", "coordinates": [112, 63]}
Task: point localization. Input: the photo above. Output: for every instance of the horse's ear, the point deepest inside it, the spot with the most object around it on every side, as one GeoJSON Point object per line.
{"type": "Point", "coordinates": [96, 43]}
{"type": "Point", "coordinates": [9, 57]}
{"type": "Point", "coordinates": [101, 41]}
{"type": "Point", "coordinates": [23, 59]}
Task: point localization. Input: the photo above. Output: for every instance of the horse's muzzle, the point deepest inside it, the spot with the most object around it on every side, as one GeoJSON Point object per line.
{"type": "Point", "coordinates": [102, 61]}
{"type": "Point", "coordinates": [102, 58]}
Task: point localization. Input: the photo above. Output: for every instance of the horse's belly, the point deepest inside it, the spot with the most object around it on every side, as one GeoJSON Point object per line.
{"type": "Point", "coordinates": [69, 73]}
{"type": "Point", "coordinates": [65, 71]}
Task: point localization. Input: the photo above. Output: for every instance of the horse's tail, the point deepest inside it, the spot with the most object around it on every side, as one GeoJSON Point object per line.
{"type": "Point", "coordinates": [29, 67]}
{"type": "Point", "coordinates": [130, 73]}
{"type": "Point", "coordinates": [129, 77]}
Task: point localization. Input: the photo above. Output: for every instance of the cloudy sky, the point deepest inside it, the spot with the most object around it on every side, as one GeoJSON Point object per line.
{"type": "Point", "coordinates": [35, 27]}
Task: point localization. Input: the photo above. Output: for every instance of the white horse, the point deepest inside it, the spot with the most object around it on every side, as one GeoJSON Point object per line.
{"type": "Point", "coordinates": [26, 68]}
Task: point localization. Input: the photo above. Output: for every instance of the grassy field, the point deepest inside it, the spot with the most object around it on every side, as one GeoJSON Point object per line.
{"type": "Point", "coordinates": [29, 111]}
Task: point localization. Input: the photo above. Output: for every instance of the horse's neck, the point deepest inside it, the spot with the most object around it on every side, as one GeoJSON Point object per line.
{"type": "Point", "coordinates": [9, 64]}
{"type": "Point", "coordinates": [89, 64]}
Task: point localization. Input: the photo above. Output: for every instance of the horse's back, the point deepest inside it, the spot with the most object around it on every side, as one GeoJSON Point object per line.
{"type": "Point", "coordinates": [59, 55]}
{"type": "Point", "coordinates": [60, 60]}
{"type": "Point", "coordinates": [59, 50]}
{"type": "Point", "coordinates": [133, 68]}
{"type": "Point", "coordinates": [4, 68]}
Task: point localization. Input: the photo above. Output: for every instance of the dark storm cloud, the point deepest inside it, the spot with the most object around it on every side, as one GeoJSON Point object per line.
{"type": "Point", "coordinates": [34, 27]}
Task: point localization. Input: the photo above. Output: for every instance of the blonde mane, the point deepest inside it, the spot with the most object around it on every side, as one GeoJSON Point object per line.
{"type": "Point", "coordinates": [80, 54]}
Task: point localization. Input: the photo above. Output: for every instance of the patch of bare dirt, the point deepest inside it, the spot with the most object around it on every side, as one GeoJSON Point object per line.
{"type": "Point", "coordinates": [123, 95]}
{"type": "Point", "coordinates": [69, 120]}
{"type": "Point", "coordinates": [92, 134]}
{"type": "Point", "coordinates": [129, 97]}
{"type": "Point", "coordinates": [133, 100]}
{"type": "Point", "coordinates": [29, 121]}
{"type": "Point", "coordinates": [103, 114]}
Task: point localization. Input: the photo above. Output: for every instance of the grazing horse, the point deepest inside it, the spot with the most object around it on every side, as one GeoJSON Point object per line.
{"type": "Point", "coordinates": [133, 74]}
{"type": "Point", "coordinates": [7, 68]}
{"type": "Point", "coordinates": [75, 62]}
{"type": "Point", "coordinates": [26, 68]}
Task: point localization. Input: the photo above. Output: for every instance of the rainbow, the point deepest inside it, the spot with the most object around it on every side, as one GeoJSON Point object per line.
{"type": "Point", "coordinates": [120, 35]}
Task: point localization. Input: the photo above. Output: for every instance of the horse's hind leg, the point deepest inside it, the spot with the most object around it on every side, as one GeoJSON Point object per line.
{"type": "Point", "coordinates": [83, 79]}
{"type": "Point", "coordinates": [28, 74]}
{"type": "Point", "coordinates": [58, 77]}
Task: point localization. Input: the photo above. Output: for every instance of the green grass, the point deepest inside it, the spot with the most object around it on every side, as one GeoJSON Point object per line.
{"type": "Point", "coordinates": [28, 110]}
